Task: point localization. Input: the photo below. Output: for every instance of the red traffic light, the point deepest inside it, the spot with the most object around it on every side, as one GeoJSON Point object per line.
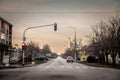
{"type": "Point", "coordinates": [23, 46]}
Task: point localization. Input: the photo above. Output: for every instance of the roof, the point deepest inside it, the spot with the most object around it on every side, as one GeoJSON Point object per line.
{"type": "Point", "coordinates": [5, 21]}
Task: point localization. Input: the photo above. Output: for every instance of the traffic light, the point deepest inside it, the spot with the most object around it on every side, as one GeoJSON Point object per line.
{"type": "Point", "coordinates": [23, 46]}
{"type": "Point", "coordinates": [55, 27]}
{"type": "Point", "coordinates": [118, 32]}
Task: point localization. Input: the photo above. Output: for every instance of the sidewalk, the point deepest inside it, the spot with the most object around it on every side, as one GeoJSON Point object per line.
{"type": "Point", "coordinates": [21, 66]}
{"type": "Point", "coordinates": [30, 64]}
{"type": "Point", "coordinates": [15, 66]}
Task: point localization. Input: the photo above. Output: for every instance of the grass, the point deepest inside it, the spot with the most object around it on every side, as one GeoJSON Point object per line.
{"type": "Point", "coordinates": [39, 61]}
{"type": "Point", "coordinates": [117, 66]}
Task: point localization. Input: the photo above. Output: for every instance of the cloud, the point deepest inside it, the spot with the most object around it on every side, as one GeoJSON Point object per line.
{"type": "Point", "coordinates": [22, 5]}
{"type": "Point", "coordinates": [118, 3]}
{"type": "Point", "coordinates": [54, 5]}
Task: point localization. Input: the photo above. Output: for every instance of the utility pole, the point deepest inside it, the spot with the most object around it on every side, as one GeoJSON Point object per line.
{"type": "Point", "coordinates": [75, 42]}
{"type": "Point", "coordinates": [69, 42]}
{"type": "Point", "coordinates": [24, 38]}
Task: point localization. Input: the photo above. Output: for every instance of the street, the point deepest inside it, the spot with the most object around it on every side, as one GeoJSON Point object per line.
{"type": "Point", "coordinates": [58, 69]}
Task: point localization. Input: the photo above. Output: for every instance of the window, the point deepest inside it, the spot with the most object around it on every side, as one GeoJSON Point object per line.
{"type": "Point", "coordinates": [3, 36]}
{"type": "Point", "coordinates": [3, 29]}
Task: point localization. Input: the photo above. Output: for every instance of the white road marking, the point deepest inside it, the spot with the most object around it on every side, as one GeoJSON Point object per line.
{"type": "Point", "coordinates": [69, 67]}
{"type": "Point", "coordinates": [62, 66]}
{"type": "Point", "coordinates": [84, 67]}
{"type": "Point", "coordinates": [77, 67]}
{"type": "Point", "coordinates": [100, 68]}
{"type": "Point", "coordinates": [54, 66]}
{"type": "Point", "coordinates": [46, 66]}
{"type": "Point", "coordinates": [92, 67]}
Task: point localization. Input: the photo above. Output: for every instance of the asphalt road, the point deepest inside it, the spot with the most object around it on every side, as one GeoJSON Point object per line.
{"type": "Point", "coordinates": [58, 69]}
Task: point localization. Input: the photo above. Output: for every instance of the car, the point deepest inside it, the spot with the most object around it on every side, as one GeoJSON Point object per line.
{"type": "Point", "coordinates": [41, 58]}
{"type": "Point", "coordinates": [13, 59]}
{"type": "Point", "coordinates": [69, 59]}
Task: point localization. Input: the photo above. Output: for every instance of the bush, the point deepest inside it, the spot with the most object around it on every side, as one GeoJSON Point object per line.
{"type": "Point", "coordinates": [41, 58]}
{"type": "Point", "coordinates": [91, 59]}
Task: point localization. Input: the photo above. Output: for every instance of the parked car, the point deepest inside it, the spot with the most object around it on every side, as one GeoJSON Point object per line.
{"type": "Point", "coordinates": [78, 58]}
{"type": "Point", "coordinates": [13, 59]}
{"type": "Point", "coordinates": [41, 58]}
{"type": "Point", "coordinates": [69, 59]}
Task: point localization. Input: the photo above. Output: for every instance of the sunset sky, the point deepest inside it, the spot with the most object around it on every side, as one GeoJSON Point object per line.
{"type": "Point", "coordinates": [81, 14]}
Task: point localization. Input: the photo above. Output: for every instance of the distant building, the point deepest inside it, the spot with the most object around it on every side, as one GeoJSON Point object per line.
{"type": "Point", "coordinates": [5, 38]}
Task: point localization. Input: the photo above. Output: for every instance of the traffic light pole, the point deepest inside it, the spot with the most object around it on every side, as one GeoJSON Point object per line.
{"type": "Point", "coordinates": [24, 38]}
{"type": "Point", "coordinates": [23, 58]}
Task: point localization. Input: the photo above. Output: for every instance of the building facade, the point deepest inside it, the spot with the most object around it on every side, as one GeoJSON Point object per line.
{"type": "Point", "coordinates": [5, 38]}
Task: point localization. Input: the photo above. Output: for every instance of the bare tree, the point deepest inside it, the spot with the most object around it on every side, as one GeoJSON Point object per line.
{"type": "Point", "coordinates": [68, 52]}
{"type": "Point", "coordinates": [32, 50]}
{"type": "Point", "coordinates": [114, 37]}
{"type": "Point", "coordinates": [46, 49]}
{"type": "Point", "coordinates": [106, 39]}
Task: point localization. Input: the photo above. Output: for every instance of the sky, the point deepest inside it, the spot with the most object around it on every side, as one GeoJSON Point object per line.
{"type": "Point", "coordinates": [80, 14]}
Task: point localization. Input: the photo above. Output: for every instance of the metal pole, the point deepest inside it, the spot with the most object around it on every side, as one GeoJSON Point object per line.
{"type": "Point", "coordinates": [24, 38]}
{"type": "Point", "coordinates": [75, 42]}
{"type": "Point", "coordinates": [75, 46]}
{"type": "Point", "coordinates": [23, 58]}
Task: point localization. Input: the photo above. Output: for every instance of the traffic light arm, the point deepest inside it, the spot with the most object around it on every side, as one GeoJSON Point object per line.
{"type": "Point", "coordinates": [55, 28]}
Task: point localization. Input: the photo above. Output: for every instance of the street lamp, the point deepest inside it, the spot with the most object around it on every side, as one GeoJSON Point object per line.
{"type": "Point", "coordinates": [24, 38]}
{"type": "Point", "coordinates": [75, 42]}
{"type": "Point", "coordinates": [69, 42]}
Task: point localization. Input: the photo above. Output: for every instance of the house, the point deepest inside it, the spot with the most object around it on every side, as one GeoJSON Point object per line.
{"type": "Point", "coordinates": [5, 38]}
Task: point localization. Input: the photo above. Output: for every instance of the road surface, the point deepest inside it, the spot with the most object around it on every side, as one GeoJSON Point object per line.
{"type": "Point", "coordinates": [58, 69]}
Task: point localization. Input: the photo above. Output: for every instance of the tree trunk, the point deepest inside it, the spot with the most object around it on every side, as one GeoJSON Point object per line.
{"type": "Point", "coordinates": [1, 56]}
{"type": "Point", "coordinates": [106, 56]}
{"type": "Point", "coordinates": [113, 60]}
{"type": "Point", "coordinates": [100, 59]}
